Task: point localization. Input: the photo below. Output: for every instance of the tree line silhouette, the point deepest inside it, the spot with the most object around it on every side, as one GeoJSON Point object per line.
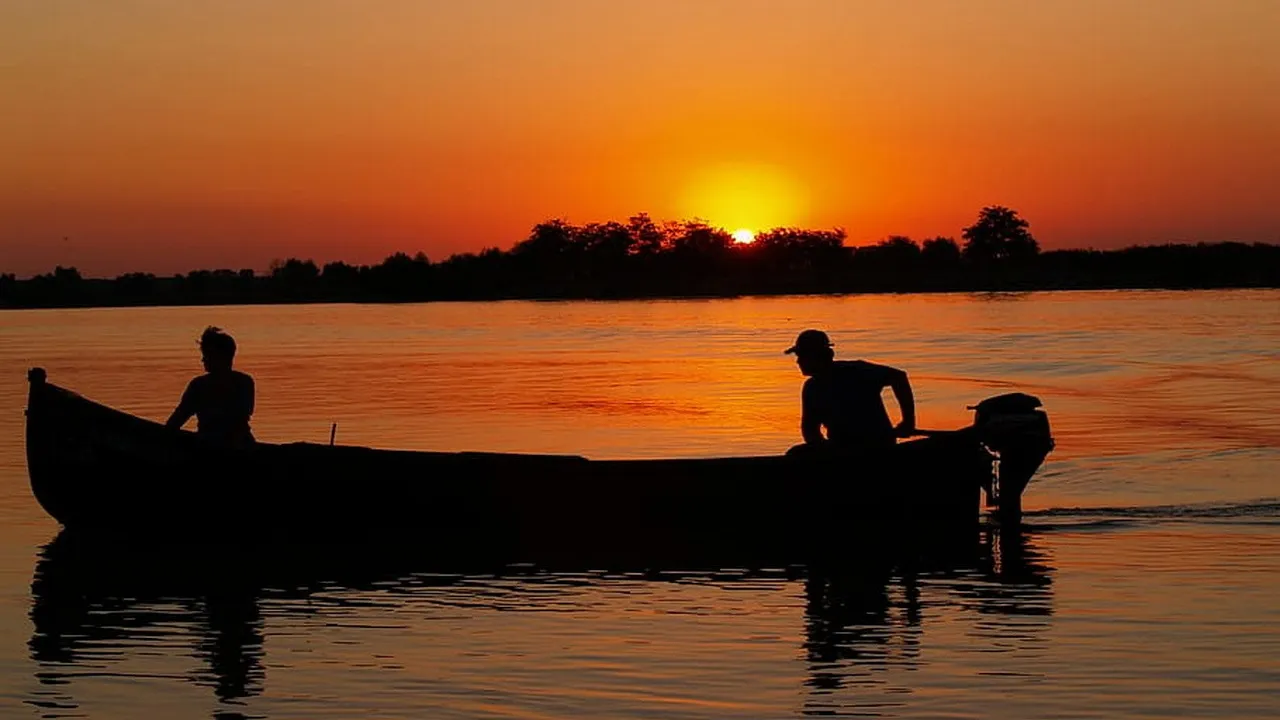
{"type": "Point", "coordinates": [644, 259]}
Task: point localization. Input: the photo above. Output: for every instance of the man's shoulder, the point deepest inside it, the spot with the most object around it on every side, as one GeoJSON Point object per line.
{"type": "Point", "coordinates": [865, 368]}
{"type": "Point", "coordinates": [221, 383]}
{"type": "Point", "coordinates": [867, 364]}
{"type": "Point", "coordinates": [242, 377]}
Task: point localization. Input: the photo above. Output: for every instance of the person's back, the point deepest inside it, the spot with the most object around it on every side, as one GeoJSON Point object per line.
{"type": "Point", "coordinates": [222, 399]}
{"type": "Point", "coordinates": [222, 403]}
{"type": "Point", "coordinates": [846, 399]}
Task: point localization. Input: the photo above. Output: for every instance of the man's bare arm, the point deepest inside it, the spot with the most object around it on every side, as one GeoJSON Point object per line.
{"type": "Point", "coordinates": [180, 416]}
{"type": "Point", "coordinates": [810, 427]}
{"type": "Point", "coordinates": [901, 386]}
{"type": "Point", "coordinates": [182, 413]}
{"type": "Point", "coordinates": [811, 430]}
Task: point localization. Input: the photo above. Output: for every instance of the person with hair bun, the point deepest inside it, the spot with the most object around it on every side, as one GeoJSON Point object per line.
{"type": "Point", "coordinates": [221, 400]}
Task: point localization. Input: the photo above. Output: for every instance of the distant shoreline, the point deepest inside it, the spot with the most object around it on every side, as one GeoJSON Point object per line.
{"type": "Point", "coordinates": [265, 303]}
{"type": "Point", "coordinates": [641, 260]}
{"type": "Point", "coordinates": [100, 291]}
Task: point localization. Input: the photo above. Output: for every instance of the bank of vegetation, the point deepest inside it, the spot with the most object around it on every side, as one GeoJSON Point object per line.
{"type": "Point", "coordinates": [640, 258]}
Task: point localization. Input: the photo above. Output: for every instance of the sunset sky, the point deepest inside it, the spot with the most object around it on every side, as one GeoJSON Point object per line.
{"type": "Point", "coordinates": [166, 136]}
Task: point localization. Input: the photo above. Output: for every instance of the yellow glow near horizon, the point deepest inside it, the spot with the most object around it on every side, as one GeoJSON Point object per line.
{"type": "Point", "coordinates": [743, 236]}
{"type": "Point", "coordinates": [745, 196]}
{"type": "Point", "coordinates": [343, 134]}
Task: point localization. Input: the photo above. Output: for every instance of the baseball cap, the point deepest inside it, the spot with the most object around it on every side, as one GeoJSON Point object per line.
{"type": "Point", "coordinates": [808, 341]}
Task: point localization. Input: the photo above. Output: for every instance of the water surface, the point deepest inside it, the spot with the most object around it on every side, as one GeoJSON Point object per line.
{"type": "Point", "coordinates": [1143, 586]}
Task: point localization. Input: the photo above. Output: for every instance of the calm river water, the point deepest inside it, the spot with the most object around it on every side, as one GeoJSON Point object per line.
{"type": "Point", "coordinates": [1146, 583]}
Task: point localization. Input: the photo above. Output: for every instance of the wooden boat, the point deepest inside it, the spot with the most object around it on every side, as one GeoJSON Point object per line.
{"type": "Point", "coordinates": [99, 469]}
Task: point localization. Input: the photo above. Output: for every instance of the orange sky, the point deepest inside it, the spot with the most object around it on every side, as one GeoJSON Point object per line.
{"type": "Point", "coordinates": [166, 136]}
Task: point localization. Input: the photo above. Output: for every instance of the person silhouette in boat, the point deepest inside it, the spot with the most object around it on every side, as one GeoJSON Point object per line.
{"type": "Point", "coordinates": [844, 398]}
{"type": "Point", "coordinates": [222, 399]}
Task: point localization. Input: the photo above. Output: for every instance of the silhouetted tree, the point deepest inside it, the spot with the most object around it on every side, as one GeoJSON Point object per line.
{"type": "Point", "coordinates": [788, 259]}
{"type": "Point", "coordinates": [295, 279]}
{"type": "Point", "coordinates": [797, 240]}
{"type": "Point", "coordinates": [647, 238]}
{"type": "Point", "coordinates": [940, 252]}
{"type": "Point", "coordinates": [8, 289]}
{"type": "Point", "coordinates": [695, 238]}
{"type": "Point", "coordinates": [891, 264]}
{"type": "Point", "coordinates": [135, 288]}
{"type": "Point", "coordinates": [401, 277]}
{"type": "Point", "coordinates": [547, 262]}
{"type": "Point", "coordinates": [342, 282]}
{"type": "Point", "coordinates": [794, 249]}
{"type": "Point", "coordinates": [66, 276]}
{"type": "Point", "coordinates": [198, 283]}
{"type": "Point", "coordinates": [898, 250]}
{"type": "Point", "coordinates": [489, 274]}
{"type": "Point", "coordinates": [608, 242]}
{"type": "Point", "coordinates": [339, 276]}
{"type": "Point", "coordinates": [295, 270]}
{"type": "Point", "coordinates": [999, 235]}
{"type": "Point", "coordinates": [550, 239]}
{"type": "Point", "coordinates": [695, 260]}
{"type": "Point", "coordinates": [941, 266]}
{"type": "Point", "coordinates": [62, 287]}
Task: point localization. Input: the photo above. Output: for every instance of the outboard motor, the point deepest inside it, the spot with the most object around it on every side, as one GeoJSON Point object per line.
{"type": "Point", "coordinates": [1016, 431]}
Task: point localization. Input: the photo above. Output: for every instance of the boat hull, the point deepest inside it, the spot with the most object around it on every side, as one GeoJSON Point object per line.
{"type": "Point", "coordinates": [96, 468]}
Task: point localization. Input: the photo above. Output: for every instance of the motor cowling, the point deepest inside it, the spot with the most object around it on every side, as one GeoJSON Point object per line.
{"type": "Point", "coordinates": [1011, 420]}
{"type": "Point", "coordinates": [1015, 428]}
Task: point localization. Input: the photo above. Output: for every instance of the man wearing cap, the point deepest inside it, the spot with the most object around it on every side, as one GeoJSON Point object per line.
{"type": "Point", "coordinates": [843, 396]}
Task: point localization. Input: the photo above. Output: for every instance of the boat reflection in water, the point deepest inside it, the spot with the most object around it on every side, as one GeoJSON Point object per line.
{"type": "Point", "coordinates": [859, 626]}
{"type": "Point", "coordinates": [92, 603]}
{"type": "Point", "coordinates": [96, 606]}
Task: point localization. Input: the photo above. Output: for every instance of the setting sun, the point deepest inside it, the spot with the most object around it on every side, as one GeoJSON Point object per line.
{"type": "Point", "coordinates": [743, 236]}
